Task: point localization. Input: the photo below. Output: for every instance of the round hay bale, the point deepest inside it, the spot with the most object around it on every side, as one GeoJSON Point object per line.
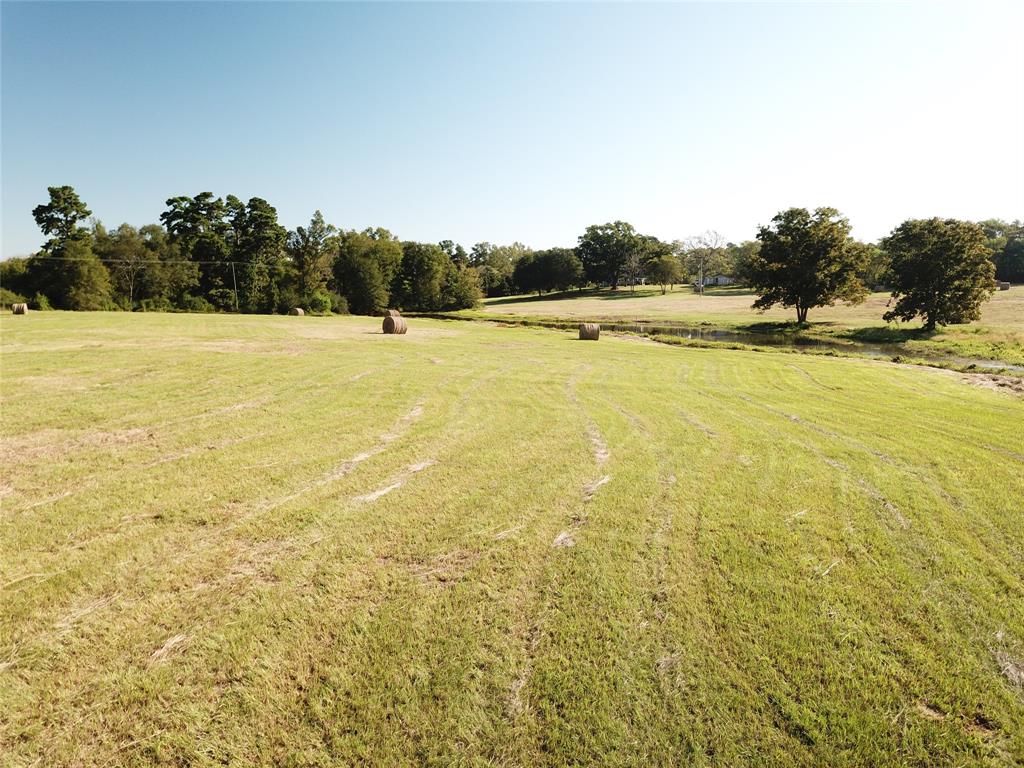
{"type": "Point", "coordinates": [392, 313]}
{"type": "Point", "coordinates": [395, 324]}
{"type": "Point", "coordinates": [1004, 286]}
{"type": "Point", "coordinates": [19, 309]}
{"type": "Point", "coordinates": [590, 331]}
{"type": "Point", "coordinates": [296, 311]}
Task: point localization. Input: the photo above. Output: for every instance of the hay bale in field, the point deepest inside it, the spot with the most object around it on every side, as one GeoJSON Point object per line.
{"type": "Point", "coordinates": [394, 324]}
{"type": "Point", "coordinates": [392, 313]}
{"type": "Point", "coordinates": [296, 311]}
{"type": "Point", "coordinates": [1004, 286]}
{"type": "Point", "coordinates": [590, 331]}
{"type": "Point", "coordinates": [19, 309]}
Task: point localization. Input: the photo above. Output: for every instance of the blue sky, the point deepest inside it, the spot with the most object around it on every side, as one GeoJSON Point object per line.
{"type": "Point", "coordinates": [508, 122]}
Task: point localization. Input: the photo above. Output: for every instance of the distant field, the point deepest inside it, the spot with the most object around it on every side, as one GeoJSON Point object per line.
{"type": "Point", "coordinates": [998, 336]}
{"type": "Point", "coordinates": [728, 306]}
{"type": "Point", "coordinates": [291, 541]}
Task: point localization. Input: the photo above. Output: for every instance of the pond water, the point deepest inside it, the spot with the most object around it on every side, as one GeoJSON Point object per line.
{"type": "Point", "coordinates": [880, 350]}
{"type": "Point", "coordinates": [871, 349]}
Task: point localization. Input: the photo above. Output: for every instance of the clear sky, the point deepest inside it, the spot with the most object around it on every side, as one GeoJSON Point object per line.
{"type": "Point", "coordinates": [506, 122]}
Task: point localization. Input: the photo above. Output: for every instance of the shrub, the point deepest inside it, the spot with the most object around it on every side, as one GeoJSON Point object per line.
{"type": "Point", "coordinates": [339, 304]}
{"type": "Point", "coordinates": [40, 302]}
{"type": "Point", "coordinates": [157, 304]}
{"type": "Point", "coordinates": [10, 297]}
{"type": "Point", "coordinates": [197, 304]}
{"type": "Point", "coordinates": [319, 303]}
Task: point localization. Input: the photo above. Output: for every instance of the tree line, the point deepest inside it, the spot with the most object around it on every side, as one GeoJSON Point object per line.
{"type": "Point", "coordinates": [222, 254]}
{"type": "Point", "coordinates": [212, 254]}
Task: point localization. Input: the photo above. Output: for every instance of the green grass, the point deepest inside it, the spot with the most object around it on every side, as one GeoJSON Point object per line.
{"type": "Point", "coordinates": [794, 560]}
{"type": "Point", "coordinates": [998, 336]}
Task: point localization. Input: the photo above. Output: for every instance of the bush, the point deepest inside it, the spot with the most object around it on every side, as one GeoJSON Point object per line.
{"type": "Point", "coordinates": [222, 299]}
{"type": "Point", "coordinates": [158, 304]}
{"type": "Point", "coordinates": [197, 304]}
{"type": "Point", "coordinates": [10, 297]}
{"type": "Point", "coordinates": [339, 304]}
{"type": "Point", "coordinates": [319, 303]}
{"type": "Point", "coordinates": [40, 302]}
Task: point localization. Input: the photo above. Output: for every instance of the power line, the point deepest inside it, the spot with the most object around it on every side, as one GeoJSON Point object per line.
{"type": "Point", "coordinates": [139, 262]}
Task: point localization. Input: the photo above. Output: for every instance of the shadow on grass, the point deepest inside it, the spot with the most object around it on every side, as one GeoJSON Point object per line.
{"type": "Point", "coordinates": [540, 297]}
{"type": "Point", "coordinates": [607, 294]}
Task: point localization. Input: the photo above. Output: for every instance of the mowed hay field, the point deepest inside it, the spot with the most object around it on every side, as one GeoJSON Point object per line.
{"type": "Point", "coordinates": [295, 541]}
{"type": "Point", "coordinates": [1003, 312]}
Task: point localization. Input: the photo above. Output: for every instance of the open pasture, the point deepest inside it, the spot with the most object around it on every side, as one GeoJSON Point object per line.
{"type": "Point", "coordinates": [296, 541]}
{"type": "Point", "coordinates": [999, 335]}
{"type": "Point", "coordinates": [727, 307]}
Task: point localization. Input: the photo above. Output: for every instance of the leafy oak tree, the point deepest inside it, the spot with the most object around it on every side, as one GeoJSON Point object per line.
{"type": "Point", "coordinates": [807, 260]}
{"type": "Point", "coordinates": [664, 270]}
{"type": "Point", "coordinates": [607, 251]}
{"type": "Point", "coordinates": [365, 268]}
{"type": "Point", "coordinates": [940, 269]}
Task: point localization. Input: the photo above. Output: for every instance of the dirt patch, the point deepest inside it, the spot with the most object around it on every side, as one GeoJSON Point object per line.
{"type": "Point", "coordinates": [442, 570]}
{"type": "Point", "coordinates": [397, 483]}
{"type": "Point", "coordinates": [563, 540]}
{"type": "Point", "coordinates": [1005, 452]}
{"type": "Point", "coordinates": [697, 424]}
{"type": "Point", "coordinates": [1011, 668]}
{"type": "Point", "coordinates": [591, 488]}
{"type": "Point", "coordinates": [597, 444]}
{"type": "Point", "coordinates": [75, 615]}
{"type": "Point", "coordinates": [59, 383]}
{"type": "Point", "coordinates": [981, 726]}
{"type": "Point", "coordinates": [930, 711]}
{"type": "Point", "coordinates": [1013, 385]}
{"type": "Point", "coordinates": [403, 423]}
{"type": "Point", "coordinates": [56, 443]}
{"type": "Point", "coordinates": [165, 650]}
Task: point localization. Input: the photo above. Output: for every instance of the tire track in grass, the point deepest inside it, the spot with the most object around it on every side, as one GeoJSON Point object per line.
{"type": "Point", "coordinates": [300, 547]}
{"type": "Point", "coordinates": [137, 435]}
{"type": "Point", "coordinates": [847, 401]}
{"type": "Point", "coordinates": [210, 542]}
{"type": "Point", "coordinates": [245, 516]}
{"type": "Point", "coordinates": [517, 706]}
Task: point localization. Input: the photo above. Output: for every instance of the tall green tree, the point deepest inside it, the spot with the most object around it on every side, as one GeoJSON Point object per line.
{"type": "Point", "coordinates": [455, 252]}
{"type": "Point", "coordinates": [365, 268]}
{"type": "Point", "coordinates": [259, 246]}
{"type": "Point", "coordinates": [606, 250]}
{"type": "Point", "coordinates": [199, 229]}
{"type": "Point", "coordinates": [127, 258]}
{"type": "Point", "coordinates": [67, 270]}
{"type": "Point", "coordinates": [60, 217]}
{"type": "Point", "coordinates": [940, 270]}
{"type": "Point", "coordinates": [312, 250]}
{"type": "Point", "coordinates": [168, 280]}
{"type": "Point", "coordinates": [421, 279]}
{"type": "Point", "coordinates": [807, 260]}
{"type": "Point", "coordinates": [738, 258]}
{"type": "Point", "coordinates": [1006, 241]}
{"type": "Point", "coordinates": [496, 264]}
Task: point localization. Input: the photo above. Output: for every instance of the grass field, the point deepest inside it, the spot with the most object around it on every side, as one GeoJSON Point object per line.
{"type": "Point", "coordinates": [294, 541]}
{"type": "Point", "coordinates": [998, 336]}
